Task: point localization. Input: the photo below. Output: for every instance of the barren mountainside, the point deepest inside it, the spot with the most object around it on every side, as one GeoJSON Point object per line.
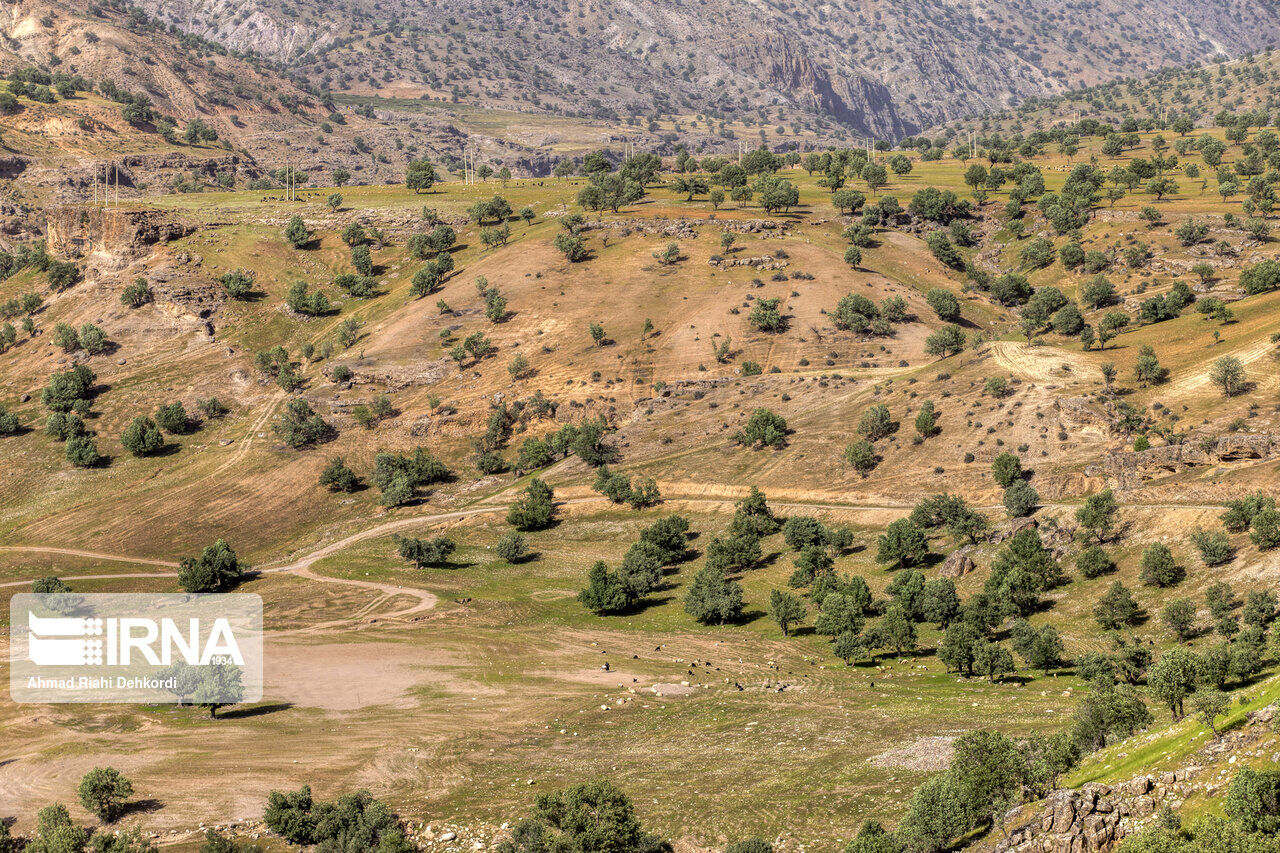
{"type": "Point", "coordinates": [885, 68]}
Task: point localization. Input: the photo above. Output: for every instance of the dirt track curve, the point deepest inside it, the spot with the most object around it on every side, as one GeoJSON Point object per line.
{"type": "Point", "coordinates": [301, 566]}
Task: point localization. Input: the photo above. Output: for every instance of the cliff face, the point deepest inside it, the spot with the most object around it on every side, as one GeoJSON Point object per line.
{"type": "Point", "coordinates": [1126, 470]}
{"type": "Point", "coordinates": [852, 99]}
{"type": "Point", "coordinates": [79, 230]}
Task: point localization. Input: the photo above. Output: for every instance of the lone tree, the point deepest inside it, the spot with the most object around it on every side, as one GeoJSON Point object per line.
{"type": "Point", "coordinates": [591, 817]}
{"type": "Point", "coordinates": [572, 246]}
{"type": "Point", "coordinates": [876, 423]}
{"type": "Point", "coordinates": [299, 426]}
{"type": "Point", "coordinates": [763, 429]}
{"type": "Point", "coordinates": [1116, 609]}
{"type": "Point", "coordinates": [535, 509]}
{"type": "Point", "coordinates": [49, 585]}
{"type": "Point", "coordinates": [712, 597]}
{"type": "Point", "coordinates": [141, 437]}
{"type": "Point", "coordinates": [1098, 515]}
{"type": "Point", "coordinates": [1174, 678]}
{"type": "Point", "coordinates": [947, 341]}
{"type": "Point", "coordinates": [597, 333]}
{"type": "Point", "coordinates": [1020, 499]}
{"type": "Point", "coordinates": [421, 175]}
{"type": "Point", "coordinates": [216, 569]}
{"type": "Point", "coordinates": [1158, 566]}
{"type": "Point", "coordinates": [424, 553]}
{"type": "Point", "coordinates": [137, 294]}
{"type": "Point", "coordinates": [173, 419]}
{"type": "Point", "coordinates": [1228, 374]}
{"type": "Point", "coordinates": [927, 420]}
{"type": "Point", "coordinates": [296, 233]}
{"type": "Point", "coordinates": [1210, 704]}
{"type": "Point", "coordinates": [786, 609]}
{"type": "Point", "coordinates": [103, 791]}
{"type": "Point", "coordinates": [1179, 616]}
{"type": "Point", "coordinates": [944, 303]}
{"type": "Point", "coordinates": [513, 548]}
{"type": "Point", "coordinates": [1006, 468]}
{"type": "Point", "coordinates": [337, 477]}
{"type": "Point", "coordinates": [220, 685]}
{"type": "Point", "coordinates": [606, 591]}
{"type": "Point", "coordinates": [861, 456]}
{"type": "Point", "coordinates": [901, 544]}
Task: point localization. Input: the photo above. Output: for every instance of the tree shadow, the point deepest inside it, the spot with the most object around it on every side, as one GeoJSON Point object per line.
{"type": "Point", "coordinates": [169, 448]}
{"type": "Point", "coordinates": [148, 805]}
{"type": "Point", "coordinates": [930, 560]}
{"type": "Point", "coordinates": [1020, 680]}
{"type": "Point", "coordinates": [104, 461]}
{"type": "Point", "coordinates": [255, 711]}
{"type": "Point", "coordinates": [451, 566]}
{"type": "Point", "coordinates": [645, 604]}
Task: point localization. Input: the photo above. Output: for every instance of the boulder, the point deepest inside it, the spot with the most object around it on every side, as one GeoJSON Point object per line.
{"type": "Point", "coordinates": [958, 563]}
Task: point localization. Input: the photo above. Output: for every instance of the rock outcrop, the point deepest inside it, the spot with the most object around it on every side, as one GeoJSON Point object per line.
{"type": "Point", "coordinates": [1127, 469]}
{"type": "Point", "coordinates": [1096, 817]}
{"type": "Point", "coordinates": [80, 230]}
{"type": "Point", "coordinates": [958, 563]}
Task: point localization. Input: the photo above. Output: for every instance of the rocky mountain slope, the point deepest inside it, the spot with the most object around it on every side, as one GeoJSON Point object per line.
{"type": "Point", "coordinates": [182, 76]}
{"type": "Point", "coordinates": [1198, 91]}
{"type": "Point", "coordinates": [261, 120]}
{"type": "Point", "coordinates": [873, 66]}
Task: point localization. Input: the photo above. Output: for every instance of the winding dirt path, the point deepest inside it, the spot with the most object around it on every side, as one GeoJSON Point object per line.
{"type": "Point", "coordinates": [92, 555]}
{"type": "Point", "coordinates": [301, 566]}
